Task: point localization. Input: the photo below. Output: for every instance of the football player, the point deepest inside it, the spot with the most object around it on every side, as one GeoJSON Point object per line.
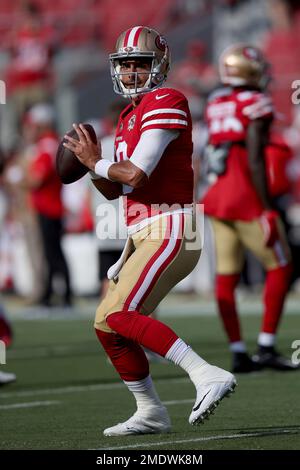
{"type": "Point", "coordinates": [6, 334]}
{"type": "Point", "coordinates": [238, 202]}
{"type": "Point", "coordinates": [153, 171]}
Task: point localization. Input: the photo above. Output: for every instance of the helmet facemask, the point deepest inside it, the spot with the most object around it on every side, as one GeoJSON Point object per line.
{"type": "Point", "coordinates": [155, 77]}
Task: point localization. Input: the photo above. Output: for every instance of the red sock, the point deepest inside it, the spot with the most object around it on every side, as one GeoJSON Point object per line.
{"type": "Point", "coordinates": [5, 331]}
{"type": "Point", "coordinates": [276, 288]}
{"type": "Point", "coordinates": [225, 287]}
{"type": "Point", "coordinates": [127, 357]}
{"type": "Point", "coordinates": [150, 333]}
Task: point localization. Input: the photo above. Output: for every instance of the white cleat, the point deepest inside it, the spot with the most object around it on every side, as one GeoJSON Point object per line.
{"type": "Point", "coordinates": [7, 377]}
{"type": "Point", "coordinates": [153, 421]}
{"type": "Point", "coordinates": [217, 384]}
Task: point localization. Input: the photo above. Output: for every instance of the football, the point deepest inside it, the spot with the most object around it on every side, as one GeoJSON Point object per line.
{"type": "Point", "coordinates": [68, 167]}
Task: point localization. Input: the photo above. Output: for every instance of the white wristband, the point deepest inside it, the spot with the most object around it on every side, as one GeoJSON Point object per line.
{"type": "Point", "coordinates": [102, 167]}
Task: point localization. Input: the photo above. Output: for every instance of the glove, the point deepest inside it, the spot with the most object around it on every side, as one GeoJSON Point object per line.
{"type": "Point", "coordinates": [268, 221]}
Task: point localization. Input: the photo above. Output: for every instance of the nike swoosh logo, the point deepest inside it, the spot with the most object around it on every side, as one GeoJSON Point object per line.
{"type": "Point", "coordinates": [135, 431]}
{"type": "Point", "coordinates": [198, 406]}
{"type": "Point", "coordinates": [159, 97]}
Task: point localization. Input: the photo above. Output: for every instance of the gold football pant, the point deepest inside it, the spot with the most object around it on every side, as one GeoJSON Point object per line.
{"type": "Point", "coordinates": [232, 236]}
{"type": "Point", "coordinates": [163, 253]}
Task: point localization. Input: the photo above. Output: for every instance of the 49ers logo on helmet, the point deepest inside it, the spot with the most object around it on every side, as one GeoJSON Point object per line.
{"type": "Point", "coordinates": [251, 53]}
{"type": "Point", "coordinates": [160, 43]}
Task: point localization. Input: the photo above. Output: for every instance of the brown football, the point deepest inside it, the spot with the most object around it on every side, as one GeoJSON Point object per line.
{"type": "Point", "coordinates": [68, 167]}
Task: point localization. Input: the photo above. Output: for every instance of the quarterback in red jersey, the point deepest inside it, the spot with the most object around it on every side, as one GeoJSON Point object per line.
{"type": "Point", "coordinates": [153, 170]}
{"type": "Point", "coordinates": [137, 128]}
{"type": "Point", "coordinates": [238, 202]}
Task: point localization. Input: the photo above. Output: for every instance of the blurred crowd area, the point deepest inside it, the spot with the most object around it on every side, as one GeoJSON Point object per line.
{"type": "Point", "coordinates": [54, 63]}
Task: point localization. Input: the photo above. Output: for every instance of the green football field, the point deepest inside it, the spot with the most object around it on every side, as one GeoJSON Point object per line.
{"type": "Point", "coordinates": [66, 392]}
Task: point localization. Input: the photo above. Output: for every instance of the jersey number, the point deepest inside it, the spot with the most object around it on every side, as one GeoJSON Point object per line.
{"type": "Point", "coordinates": [227, 124]}
{"type": "Point", "coordinates": [121, 155]}
{"type": "Point", "coordinates": [121, 151]}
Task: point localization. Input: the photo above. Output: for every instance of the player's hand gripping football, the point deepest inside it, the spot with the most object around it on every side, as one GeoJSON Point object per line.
{"type": "Point", "coordinates": [85, 150]}
{"type": "Point", "coordinates": [268, 221]}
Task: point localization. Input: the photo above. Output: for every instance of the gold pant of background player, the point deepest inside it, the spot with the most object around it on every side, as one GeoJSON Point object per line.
{"type": "Point", "coordinates": [232, 236]}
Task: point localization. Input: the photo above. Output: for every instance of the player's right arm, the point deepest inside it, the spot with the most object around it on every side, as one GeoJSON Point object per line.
{"type": "Point", "coordinates": [146, 156]}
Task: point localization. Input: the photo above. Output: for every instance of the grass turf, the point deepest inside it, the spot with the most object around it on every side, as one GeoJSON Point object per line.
{"type": "Point", "coordinates": [70, 393]}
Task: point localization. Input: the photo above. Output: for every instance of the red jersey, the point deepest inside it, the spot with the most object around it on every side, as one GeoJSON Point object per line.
{"type": "Point", "coordinates": [46, 199]}
{"type": "Point", "coordinates": [229, 111]}
{"type": "Point", "coordinates": [171, 182]}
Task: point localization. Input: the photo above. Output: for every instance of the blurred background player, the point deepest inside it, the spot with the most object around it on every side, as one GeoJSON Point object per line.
{"type": "Point", "coordinates": [5, 328]}
{"type": "Point", "coordinates": [239, 115]}
{"type": "Point", "coordinates": [153, 131]}
{"type": "Point", "coordinates": [44, 186]}
{"type": "Point", "coordinates": [21, 211]}
{"type": "Point", "coordinates": [6, 338]}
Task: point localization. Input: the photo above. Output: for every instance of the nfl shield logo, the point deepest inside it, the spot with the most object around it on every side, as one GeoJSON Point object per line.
{"type": "Point", "coordinates": [131, 122]}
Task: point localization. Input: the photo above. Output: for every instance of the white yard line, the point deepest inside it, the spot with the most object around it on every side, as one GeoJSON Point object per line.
{"type": "Point", "coordinates": [46, 351]}
{"type": "Point", "coordinates": [31, 404]}
{"type": "Point", "coordinates": [62, 390]}
{"type": "Point", "coordinates": [179, 402]}
{"type": "Point", "coordinates": [203, 439]}
{"type": "Point", "coordinates": [79, 388]}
